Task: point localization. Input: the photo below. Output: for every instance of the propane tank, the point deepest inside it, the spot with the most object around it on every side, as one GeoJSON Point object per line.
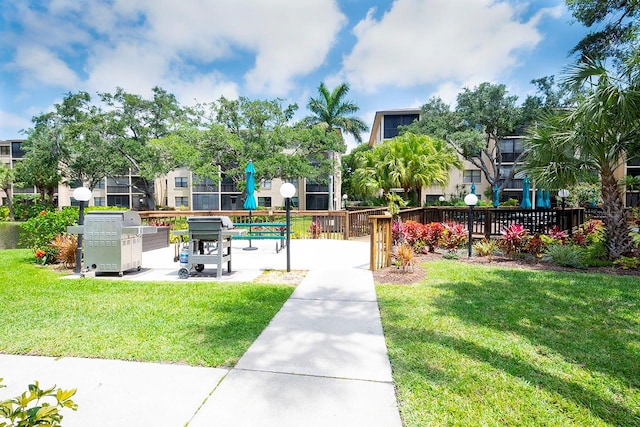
{"type": "Point", "coordinates": [184, 257]}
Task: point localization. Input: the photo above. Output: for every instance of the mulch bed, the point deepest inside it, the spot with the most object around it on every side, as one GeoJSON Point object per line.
{"type": "Point", "coordinates": [394, 275]}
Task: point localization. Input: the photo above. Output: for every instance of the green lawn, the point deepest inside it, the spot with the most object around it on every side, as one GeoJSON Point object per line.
{"type": "Point", "coordinates": [486, 346]}
{"type": "Point", "coordinates": [199, 323]}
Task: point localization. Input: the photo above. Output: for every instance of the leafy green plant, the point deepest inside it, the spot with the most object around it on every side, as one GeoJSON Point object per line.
{"type": "Point", "coordinates": [566, 255]}
{"type": "Point", "coordinates": [36, 407]}
{"type": "Point", "coordinates": [510, 203]}
{"type": "Point", "coordinates": [42, 229]}
{"type": "Point", "coordinates": [628, 263]}
{"type": "Point", "coordinates": [486, 248]}
{"type": "Point", "coordinates": [395, 203]}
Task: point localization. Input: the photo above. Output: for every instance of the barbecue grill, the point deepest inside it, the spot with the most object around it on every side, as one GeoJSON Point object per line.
{"type": "Point", "coordinates": [209, 243]}
{"type": "Point", "coordinates": [112, 240]}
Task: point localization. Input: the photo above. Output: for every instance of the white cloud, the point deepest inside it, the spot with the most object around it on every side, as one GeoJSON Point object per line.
{"type": "Point", "coordinates": [12, 124]}
{"type": "Point", "coordinates": [39, 65]}
{"type": "Point", "coordinates": [288, 39]}
{"type": "Point", "coordinates": [202, 89]}
{"type": "Point", "coordinates": [426, 41]}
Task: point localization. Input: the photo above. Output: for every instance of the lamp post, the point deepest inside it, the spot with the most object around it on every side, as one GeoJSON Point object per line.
{"type": "Point", "coordinates": [82, 195]}
{"type": "Point", "coordinates": [345, 197]}
{"type": "Point", "coordinates": [470, 200]}
{"type": "Point", "coordinates": [563, 194]}
{"type": "Point", "coordinates": [287, 190]}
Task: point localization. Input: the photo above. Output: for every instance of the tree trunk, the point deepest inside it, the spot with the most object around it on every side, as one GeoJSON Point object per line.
{"type": "Point", "coordinates": [617, 229]}
{"type": "Point", "coordinates": [12, 215]}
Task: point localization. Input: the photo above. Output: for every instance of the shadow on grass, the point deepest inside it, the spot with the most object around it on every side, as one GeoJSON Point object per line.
{"type": "Point", "coordinates": [591, 321]}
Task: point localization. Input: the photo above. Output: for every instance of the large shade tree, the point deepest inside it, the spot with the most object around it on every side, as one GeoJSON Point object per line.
{"type": "Point", "coordinates": [132, 122]}
{"type": "Point", "coordinates": [409, 162]}
{"type": "Point", "coordinates": [600, 134]}
{"type": "Point", "coordinates": [614, 26]}
{"type": "Point", "coordinates": [483, 115]}
{"type": "Point", "coordinates": [229, 133]}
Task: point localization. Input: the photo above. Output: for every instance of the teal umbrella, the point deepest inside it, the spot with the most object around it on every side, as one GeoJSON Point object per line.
{"type": "Point", "coordinates": [250, 188]}
{"type": "Point", "coordinates": [526, 197]}
{"type": "Point", "coordinates": [250, 199]}
{"type": "Point", "coordinates": [496, 196]}
{"type": "Point", "coordinates": [540, 199]}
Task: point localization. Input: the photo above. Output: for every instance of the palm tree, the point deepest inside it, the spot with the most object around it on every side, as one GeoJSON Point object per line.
{"type": "Point", "coordinates": [333, 112]}
{"type": "Point", "coordinates": [408, 161]}
{"type": "Point", "coordinates": [598, 135]}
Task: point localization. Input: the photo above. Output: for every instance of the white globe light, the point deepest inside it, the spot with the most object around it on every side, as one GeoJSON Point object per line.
{"type": "Point", "coordinates": [563, 193]}
{"type": "Point", "coordinates": [441, 198]}
{"type": "Point", "coordinates": [82, 194]}
{"type": "Point", "coordinates": [470, 199]}
{"type": "Point", "coordinates": [287, 190]}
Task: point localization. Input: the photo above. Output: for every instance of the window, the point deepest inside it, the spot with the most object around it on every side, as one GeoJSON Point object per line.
{"type": "Point", "coordinates": [16, 149]}
{"type": "Point", "coordinates": [472, 176]}
{"type": "Point", "coordinates": [99, 201]}
{"type": "Point", "coordinates": [264, 201]}
{"type": "Point", "coordinates": [203, 185]}
{"type": "Point", "coordinates": [99, 185]}
{"type": "Point", "coordinates": [266, 183]}
{"type": "Point", "coordinates": [510, 149]}
{"type": "Point", "coordinates": [182, 201]}
{"type": "Point", "coordinates": [317, 202]}
{"type": "Point", "coordinates": [205, 202]}
{"type": "Point", "coordinates": [392, 122]}
{"type": "Point", "coordinates": [181, 182]}
{"type": "Point", "coordinates": [4, 150]}
{"type": "Point", "coordinates": [316, 187]}
{"type": "Point", "coordinates": [119, 201]}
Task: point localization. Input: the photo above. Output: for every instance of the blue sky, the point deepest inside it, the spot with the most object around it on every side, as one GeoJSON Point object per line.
{"type": "Point", "coordinates": [393, 54]}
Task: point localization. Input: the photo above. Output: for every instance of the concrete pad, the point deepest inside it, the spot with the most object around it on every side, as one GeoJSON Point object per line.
{"type": "Point", "coordinates": [121, 393]}
{"type": "Point", "coordinates": [20, 371]}
{"type": "Point", "coordinates": [246, 398]}
{"type": "Point", "coordinates": [323, 338]}
{"type": "Point", "coordinates": [337, 285]}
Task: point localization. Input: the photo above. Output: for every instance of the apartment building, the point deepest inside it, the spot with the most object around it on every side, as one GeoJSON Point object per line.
{"type": "Point", "coordinates": [386, 125]}
{"type": "Point", "coordinates": [180, 189]}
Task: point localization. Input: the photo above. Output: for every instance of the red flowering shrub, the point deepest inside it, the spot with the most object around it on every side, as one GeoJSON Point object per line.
{"type": "Point", "coordinates": [432, 233]}
{"type": "Point", "coordinates": [412, 231]}
{"type": "Point", "coordinates": [559, 235]}
{"type": "Point", "coordinates": [514, 239]}
{"type": "Point", "coordinates": [453, 236]}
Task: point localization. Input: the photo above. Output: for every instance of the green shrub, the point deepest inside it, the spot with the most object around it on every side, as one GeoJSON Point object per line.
{"type": "Point", "coordinates": [486, 247]}
{"type": "Point", "coordinates": [4, 213]}
{"type": "Point", "coordinates": [42, 229]}
{"type": "Point", "coordinates": [29, 206]}
{"type": "Point", "coordinates": [31, 408]}
{"type": "Point", "coordinates": [628, 263]}
{"type": "Point", "coordinates": [566, 256]}
{"type": "Point", "coordinates": [510, 203]}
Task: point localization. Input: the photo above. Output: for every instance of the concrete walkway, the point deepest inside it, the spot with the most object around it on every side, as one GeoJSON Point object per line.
{"type": "Point", "coordinates": [322, 361]}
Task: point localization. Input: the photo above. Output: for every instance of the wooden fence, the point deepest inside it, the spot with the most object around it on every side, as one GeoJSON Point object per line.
{"type": "Point", "coordinates": [487, 222]}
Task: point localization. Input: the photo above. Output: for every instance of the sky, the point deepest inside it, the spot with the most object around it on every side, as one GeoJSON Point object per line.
{"type": "Point", "coordinates": [393, 54]}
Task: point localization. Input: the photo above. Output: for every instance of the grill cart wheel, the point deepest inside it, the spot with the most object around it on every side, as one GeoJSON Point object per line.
{"type": "Point", "coordinates": [199, 267]}
{"type": "Point", "coordinates": [183, 273]}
